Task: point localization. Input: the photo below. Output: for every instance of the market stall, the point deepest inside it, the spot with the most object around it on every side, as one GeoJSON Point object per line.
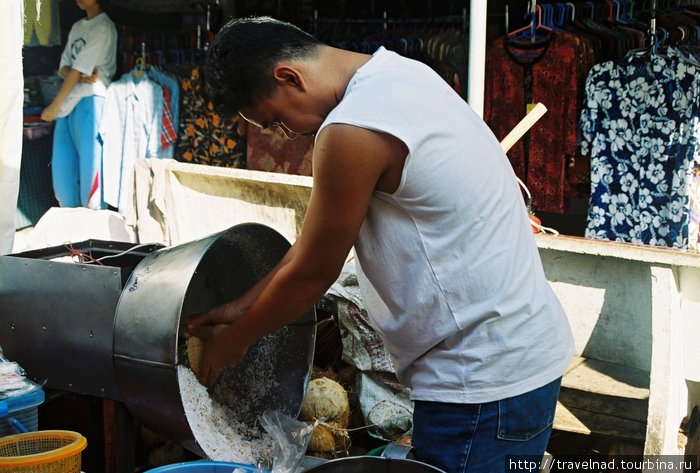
{"type": "Point", "coordinates": [108, 338]}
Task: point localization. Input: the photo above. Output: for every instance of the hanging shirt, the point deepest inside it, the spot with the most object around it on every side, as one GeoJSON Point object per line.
{"type": "Point", "coordinates": [447, 264]}
{"type": "Point", "coordinates": [553, 72]}
{"type": "Point", "coordinates": [41, 25]}
{"type": "Point", "coordinates": [171, 110]}
{"type": "Point", "coordinates": [641, 126]}
{"type": "Point", "coordinates": [92, 44]}
{"type": "Point", "coordinates": [130, 130]}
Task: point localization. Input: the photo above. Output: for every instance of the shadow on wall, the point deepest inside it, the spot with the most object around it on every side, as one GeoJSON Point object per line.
{"type": "Point", "coordinates": [608, 302]}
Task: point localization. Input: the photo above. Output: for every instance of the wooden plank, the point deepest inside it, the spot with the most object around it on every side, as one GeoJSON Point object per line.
{"type": "Point", "coordinates": [607, 378]}
{"type": "Point", "coordinates": [603, 398]}
{"type": "Point", "coordinates": [615, 406]}
{"type": "Point", "coordinates": [585, 422]}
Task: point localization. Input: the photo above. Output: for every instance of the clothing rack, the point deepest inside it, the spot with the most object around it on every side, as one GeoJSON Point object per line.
{"type": "Point", "coordinates": [388, 22]}
{"type": "Point", "coordinates": [473, 24]}
{"type": "Point", "coordinates": [161, 48]}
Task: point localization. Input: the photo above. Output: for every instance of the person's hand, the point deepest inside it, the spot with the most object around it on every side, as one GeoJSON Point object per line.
{"type": "Point", "coordinates": [222, 314]}
{"type": "Point", "coordinates": [50, 113]}
{"type": "Point", "coordinates": [222, 347]}
{"type": "Point", "coordinates": [91, 79]}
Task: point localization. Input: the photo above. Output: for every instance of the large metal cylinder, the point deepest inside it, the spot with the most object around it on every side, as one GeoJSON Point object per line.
{"type": "Point", "coordinates": [175, 282]}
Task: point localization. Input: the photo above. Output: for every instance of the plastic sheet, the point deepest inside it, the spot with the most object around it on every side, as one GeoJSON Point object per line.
{"type": "Point", "coordinates": [13, 381]}
{"type": "Point", "coordinates": [291, 440]}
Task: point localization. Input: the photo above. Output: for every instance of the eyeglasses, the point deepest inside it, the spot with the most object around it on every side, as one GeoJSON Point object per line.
{"type": "Point", "coordinates": [289, 134]}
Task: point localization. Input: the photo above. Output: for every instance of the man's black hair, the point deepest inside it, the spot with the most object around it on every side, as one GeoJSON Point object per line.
{"type": "Point", "coordinates": [243, 55]}
{"type": "Point", "coordinates": [104, 4]}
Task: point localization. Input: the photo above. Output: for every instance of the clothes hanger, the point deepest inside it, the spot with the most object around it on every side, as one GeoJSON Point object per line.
{"type": "Point", "coordinates": [161, 57]}
{"type": "Point", "coordinates": [531, 31]}
{"type": "Point", "coordinates": [620, 12]}
{"type": "Point", "coordinates": [570, 5]}
{"type": "Point", "coordinates": [560, 13]}
{"type": "Point", "coordinates": [548, 17]}
{"type": "Point", "coordinates": [140, 65]}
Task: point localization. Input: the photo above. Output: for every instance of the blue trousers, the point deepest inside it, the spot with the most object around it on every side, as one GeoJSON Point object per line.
{"type": "Point", "coordinates": [76, 162]}
{"type": "Point", "coordinates": [478, 438]}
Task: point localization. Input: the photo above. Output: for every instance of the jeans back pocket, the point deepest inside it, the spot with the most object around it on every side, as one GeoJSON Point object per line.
{"type": "Point", "coordinates": [523, 417]}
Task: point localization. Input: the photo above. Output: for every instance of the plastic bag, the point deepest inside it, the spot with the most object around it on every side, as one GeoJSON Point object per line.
{"type": "Point", "coordinates": [291, 439]}
{"type": "Point", "coordinates": [12, 379]}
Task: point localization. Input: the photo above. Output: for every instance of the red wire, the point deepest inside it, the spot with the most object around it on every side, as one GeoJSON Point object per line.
{"type": "Point", "coordinates": [80, 255]}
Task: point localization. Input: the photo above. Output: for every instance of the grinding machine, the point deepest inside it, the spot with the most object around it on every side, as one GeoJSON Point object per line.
{"type": "Point", "coordinates": [110, 325]}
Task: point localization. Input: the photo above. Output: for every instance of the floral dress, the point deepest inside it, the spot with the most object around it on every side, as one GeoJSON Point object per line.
{"type": "Point", "coordinates": [640, 125]}
{"type": "Point", "coordinates": [203, 136]}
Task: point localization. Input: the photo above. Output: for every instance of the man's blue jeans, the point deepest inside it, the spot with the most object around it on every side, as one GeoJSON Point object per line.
{"type": "Point", "coordinates": [478, 438]}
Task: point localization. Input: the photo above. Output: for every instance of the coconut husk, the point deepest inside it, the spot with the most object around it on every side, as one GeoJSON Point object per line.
{"type": "Point", "coordinates": [340, 436]}
{"type": "Point", "coordinates": [346, 377]}
{"type": "Point", "coordinates": [317, 373]}
{"type": "Point", "coordinates": [330, 440]}
{"type": "Point", "coordinates": [321, 440]}
{"type": "Point", "coordinates": [326, 400]}
{"type": "Point", "coordinates": [326, 455]}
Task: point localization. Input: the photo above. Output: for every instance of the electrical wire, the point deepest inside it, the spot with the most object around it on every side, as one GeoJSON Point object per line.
{"type": "Point", "coordinates": [124, 252]}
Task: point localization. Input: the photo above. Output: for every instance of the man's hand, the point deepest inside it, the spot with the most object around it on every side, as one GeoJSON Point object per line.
{"type": "Point", "coordinates": [223, 314]}
{"type": "Point", "coordinates": [50, 113]}
{"type": "Point", "coordinates": [222, 347]}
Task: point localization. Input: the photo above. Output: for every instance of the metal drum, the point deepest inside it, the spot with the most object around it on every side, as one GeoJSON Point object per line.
{"type": "Point", "coordinates": [175, 282]}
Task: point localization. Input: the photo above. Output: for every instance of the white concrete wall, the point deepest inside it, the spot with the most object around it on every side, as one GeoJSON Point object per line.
{"type": "Point", "coordinates": [640, 307]}
{"type": "Point", "coordinates": [606, 288]}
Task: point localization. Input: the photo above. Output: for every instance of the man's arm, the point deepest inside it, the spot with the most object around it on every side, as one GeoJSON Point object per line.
{"type": "Point", "coordinates": [348, 164]}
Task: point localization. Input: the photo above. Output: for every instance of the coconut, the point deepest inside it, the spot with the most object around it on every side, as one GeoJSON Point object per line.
{"type": "Point", "coordinates": [321, 440]}
{"type": "Point", "coordinates": [328, 440]}
{"type": "Point", "coordinates": [327, 400]}
{"type": "Point", "coordinates": [194, 353]}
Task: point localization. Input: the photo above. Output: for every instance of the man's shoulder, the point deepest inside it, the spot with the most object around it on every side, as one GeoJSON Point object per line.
{"type": "Point", "coordinates": [345, 133]}
{"type": "Point", "coordinates": [341, 144]}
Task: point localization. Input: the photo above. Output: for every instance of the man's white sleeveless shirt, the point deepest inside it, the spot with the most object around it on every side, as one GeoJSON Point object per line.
{"type": "Point", "coordinates": [448, 266]}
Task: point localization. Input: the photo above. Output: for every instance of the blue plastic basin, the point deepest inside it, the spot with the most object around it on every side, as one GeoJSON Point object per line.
{"type": "Point", "coordinates": [202, 467]}
{"type": "Point", "coordinates": [22, 410]}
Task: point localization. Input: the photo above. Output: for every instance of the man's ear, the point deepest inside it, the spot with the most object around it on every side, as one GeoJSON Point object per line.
{"type": "Point", "coordinates": [286, 75]}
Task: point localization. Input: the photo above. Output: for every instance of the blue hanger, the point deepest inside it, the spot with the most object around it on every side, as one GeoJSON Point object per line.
{"type": "Point", "coordinates": [560, 10]}
{"type": "Point", "coordinates": [548, 17]}
{"type": "Point", "coordinates": [530, 31]}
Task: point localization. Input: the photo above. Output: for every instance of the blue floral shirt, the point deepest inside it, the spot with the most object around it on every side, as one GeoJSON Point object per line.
{"type": "Point", "coordinates": [640, 125]}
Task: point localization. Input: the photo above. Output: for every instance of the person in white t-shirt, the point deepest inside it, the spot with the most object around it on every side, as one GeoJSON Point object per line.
{"type": "Point", "coordinates": [88, 63]}
{"type": "Point", "coordinates": [405, 172]}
